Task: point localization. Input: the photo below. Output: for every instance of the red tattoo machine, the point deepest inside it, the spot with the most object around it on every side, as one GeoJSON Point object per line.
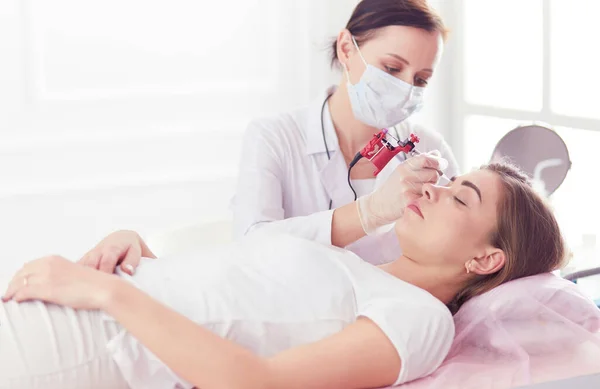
{"type": "Point", "coordinates": [382, 148]}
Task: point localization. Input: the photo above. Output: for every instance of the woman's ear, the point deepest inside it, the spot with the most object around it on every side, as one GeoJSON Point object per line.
{"type": "Point", "coordinates": [344, 47]}
{"type": "Point", "coordinates": [489, 263]}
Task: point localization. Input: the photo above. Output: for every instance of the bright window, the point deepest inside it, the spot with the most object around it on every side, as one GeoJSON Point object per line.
{"type": "Point", "coordinates": [574, 58]}
{"type": "Point", "coordinates": [536, 60]}
{"type": "Point", "coordinates": [502, 65]}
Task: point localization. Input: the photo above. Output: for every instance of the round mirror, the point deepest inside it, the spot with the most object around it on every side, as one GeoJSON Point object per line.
{"type": "Point", "coordinates": [540, 152]}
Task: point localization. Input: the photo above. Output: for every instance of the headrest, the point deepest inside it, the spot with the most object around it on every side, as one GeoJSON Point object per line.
{"type": "Point", "coordinates": [534, 329]}
{"type": "Point", "coordinates": [530, 311]}
{"type": "Point", "coordinates": [538, 297]}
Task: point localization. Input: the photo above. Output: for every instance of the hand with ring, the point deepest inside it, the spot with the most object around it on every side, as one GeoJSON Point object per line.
{"type": "Point", "coordinates": [57, 280]}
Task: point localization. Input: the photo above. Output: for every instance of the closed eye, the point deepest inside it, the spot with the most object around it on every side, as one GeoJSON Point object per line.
{"type": "Point", "coordinates": [459, 201]}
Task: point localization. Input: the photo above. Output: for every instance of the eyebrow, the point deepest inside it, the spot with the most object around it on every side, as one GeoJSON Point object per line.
{"type": "Point", "coordinates": [470, 185]}
{"type": "Point", "coordinates": [399, 58]}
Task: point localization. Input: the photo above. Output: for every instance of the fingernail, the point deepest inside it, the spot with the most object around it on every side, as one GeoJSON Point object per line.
{"type": "Point", "coordinates": [129, 267]}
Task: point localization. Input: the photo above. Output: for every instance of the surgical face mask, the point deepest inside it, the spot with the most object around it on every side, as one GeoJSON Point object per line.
{"type": "Point", "coordinates": [381, 100]}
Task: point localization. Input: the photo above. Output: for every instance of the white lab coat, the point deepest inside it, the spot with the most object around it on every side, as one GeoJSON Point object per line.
{"type": "Point", "coordinates": [286, 181]}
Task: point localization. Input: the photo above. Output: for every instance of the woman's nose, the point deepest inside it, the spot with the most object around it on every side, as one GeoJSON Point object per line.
{"type": "Point", "coordinates": [429, 192]}
{"type": "Point", "coordinates": [407, 77]}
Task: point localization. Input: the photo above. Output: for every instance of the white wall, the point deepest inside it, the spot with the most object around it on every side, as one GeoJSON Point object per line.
{"type": "Point", "coordinates": [437, 112]}
{"type": "Point", "coordinates": [128, 113]}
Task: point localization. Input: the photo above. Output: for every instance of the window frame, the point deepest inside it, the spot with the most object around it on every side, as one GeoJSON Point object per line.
{"type": "Point", "coordinates": [462, 109]}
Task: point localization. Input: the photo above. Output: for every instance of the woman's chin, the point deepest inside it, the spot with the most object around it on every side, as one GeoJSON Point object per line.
{"type": "Point", "coordinates": [408, 219]}
{"type": "Point", "coordinates": [404, 230]}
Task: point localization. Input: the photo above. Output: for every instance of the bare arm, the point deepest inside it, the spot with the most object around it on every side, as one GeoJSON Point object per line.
{"type": "Point", "coordinates": [360, 356]}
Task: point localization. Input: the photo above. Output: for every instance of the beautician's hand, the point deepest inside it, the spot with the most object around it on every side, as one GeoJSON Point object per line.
{"type": "Point", "coordinates": [386, 204]}
{"type": "Point", "coordinates": [60, 281]}
{"type": "Point", "coordinates": [124, 248]}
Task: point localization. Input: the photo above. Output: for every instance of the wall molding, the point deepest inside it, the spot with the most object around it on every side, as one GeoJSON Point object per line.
{"type": "Point", "coordinates": [110, 161]}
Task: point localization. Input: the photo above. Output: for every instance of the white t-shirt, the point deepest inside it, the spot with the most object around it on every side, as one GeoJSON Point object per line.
{"type": "Point", "coordinates": [270, 293]}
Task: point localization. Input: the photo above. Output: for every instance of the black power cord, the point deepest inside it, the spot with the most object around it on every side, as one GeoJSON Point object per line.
{"type": "Point", "coordinates": [324, 139]}
{"type": "Point", "coordinates": [357, 158]}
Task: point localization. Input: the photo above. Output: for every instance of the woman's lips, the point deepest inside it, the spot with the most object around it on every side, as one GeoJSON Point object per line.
{"type": "Point", "coordinates": [415, 208]}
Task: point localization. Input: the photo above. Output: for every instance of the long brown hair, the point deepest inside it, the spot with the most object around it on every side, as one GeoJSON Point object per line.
{"type": "Point", "coordinates": [527, 232]}
{"type": "Point", "coordinates": [371, 15]}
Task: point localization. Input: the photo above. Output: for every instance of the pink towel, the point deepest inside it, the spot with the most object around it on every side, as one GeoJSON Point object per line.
{"type": "Point", "coordinates": [535, 329]}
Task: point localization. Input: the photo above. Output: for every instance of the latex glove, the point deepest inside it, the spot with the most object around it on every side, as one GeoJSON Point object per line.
{"type": "Point", "coordinates": [386, 204]}
{"type": "Point", "coordinates": [124, 248]}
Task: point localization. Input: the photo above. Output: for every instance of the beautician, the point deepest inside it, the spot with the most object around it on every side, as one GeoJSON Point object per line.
{"type": "Point", "coordinates": [294, 168]}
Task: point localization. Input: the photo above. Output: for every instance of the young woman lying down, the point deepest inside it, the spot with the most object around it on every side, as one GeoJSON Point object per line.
{"type": "Point", "coordinates": [276, 311]}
